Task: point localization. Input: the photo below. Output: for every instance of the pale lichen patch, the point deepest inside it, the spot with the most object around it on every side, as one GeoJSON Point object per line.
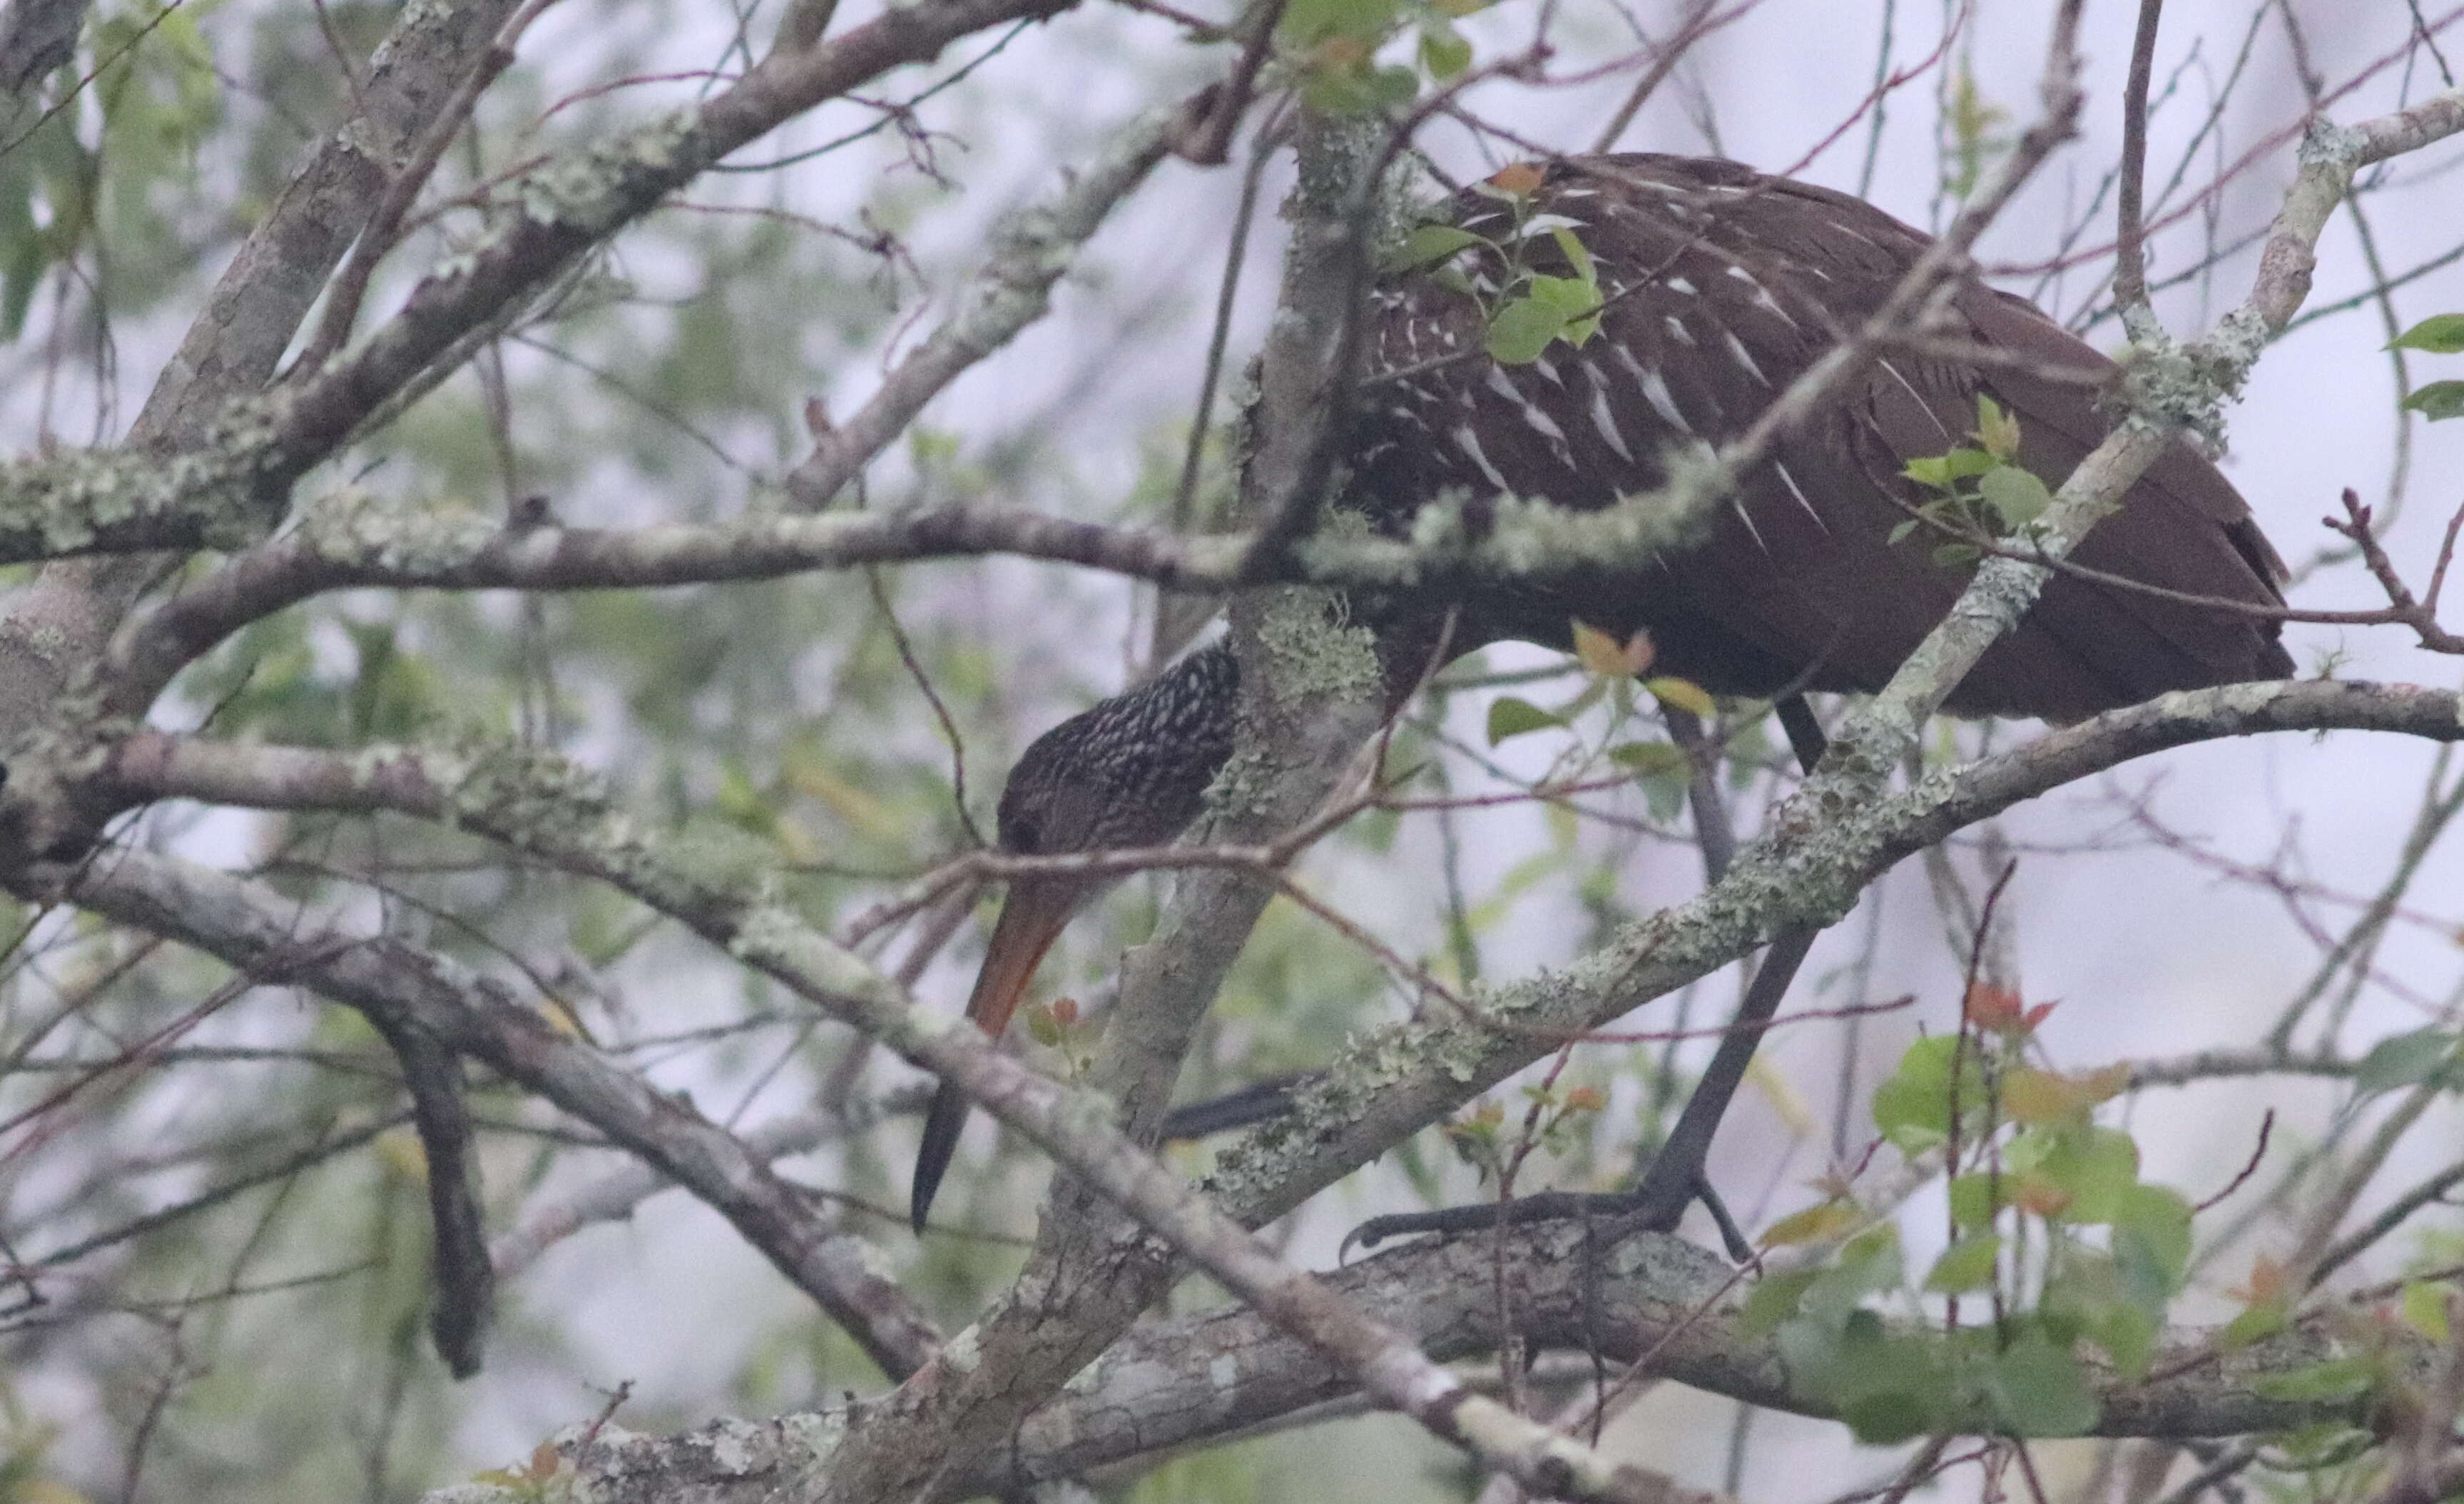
{"type": "Point", "coordinates": [353, 527]}
{"type": "Point", "coordinates": [738, 1449]}
{"type": "Point", "coordinates": [1315, 650]}
{"type": "Point", "coordinates": [962, 1354]}
{"type": "Point", "coordinates": [211, 493]}
{"type": "Point", "coordinates": [594, 189]}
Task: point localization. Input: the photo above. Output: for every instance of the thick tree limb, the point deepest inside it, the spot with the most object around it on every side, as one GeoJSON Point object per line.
{"type": "Point", "coordinates": [347, 539]}
{"type": "Point", "coordinates": [256, 306]}
{"type": "Point", "coordinates": [1650, 1298]}
{"type": "Point", "coordinates": [146, 496]}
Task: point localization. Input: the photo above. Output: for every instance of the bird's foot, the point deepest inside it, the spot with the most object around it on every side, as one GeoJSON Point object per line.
{"type": "Point", "coordinates": [1647, 1209]}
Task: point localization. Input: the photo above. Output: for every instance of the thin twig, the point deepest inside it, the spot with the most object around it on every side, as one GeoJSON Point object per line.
{"type": "Point", "coordinates": [2130, 250]}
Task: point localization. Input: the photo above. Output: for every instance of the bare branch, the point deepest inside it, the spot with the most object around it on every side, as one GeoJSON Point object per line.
{"type": "Point", "coordinates": [2129, 251]}
{"type": "Point", "coordinates": [1647, 1298]}
{"type": "Point", "coordinates": [256, 931]}
{"type": "Point", "coordinates": [575, 201]}
{"type": "Point", "coordinates": [1029, 254]}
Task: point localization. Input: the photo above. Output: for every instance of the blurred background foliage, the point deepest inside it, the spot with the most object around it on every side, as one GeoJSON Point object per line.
{"type": "Point", "coordinates": [213, 1206]}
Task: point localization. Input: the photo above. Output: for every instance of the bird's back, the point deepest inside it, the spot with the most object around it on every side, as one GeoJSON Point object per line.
{"type": "Point", "coordinates": [1721, 286]}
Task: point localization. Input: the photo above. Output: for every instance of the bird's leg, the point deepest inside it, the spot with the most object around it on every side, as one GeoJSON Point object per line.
{"type": "Point", "coordinates": [1675, 1179]}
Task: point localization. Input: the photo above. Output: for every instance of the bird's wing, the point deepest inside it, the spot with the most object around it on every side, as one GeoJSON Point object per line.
{"type": "Point", "coordinates": [1722, 287]}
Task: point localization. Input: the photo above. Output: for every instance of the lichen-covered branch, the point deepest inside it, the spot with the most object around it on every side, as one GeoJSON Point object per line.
{"type": "Point", "coordinates": [1648, 1299]}
{"type": "Point", "coordinates": [1030, 251]}
{"type": "Point", "coordinates": [2171, 387]}
{"type": "Point", "coordinates": [1399, 1078]}
{"type": "Point", "coordinates": [527, 802]}
{"type": "Point", "coordinates": [348, 540]}
{"type": "Point", "coordinates": [578, 199]}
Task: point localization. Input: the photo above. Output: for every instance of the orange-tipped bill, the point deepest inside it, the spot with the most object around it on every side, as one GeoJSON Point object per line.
{"type": "Point", "coordinates": [1034, 916]}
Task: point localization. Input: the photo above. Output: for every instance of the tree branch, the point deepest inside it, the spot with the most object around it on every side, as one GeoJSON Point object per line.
{"type": "Point", "coordinates": [256, 930]}
{"type": "Point", "coordinates": [1648, 1299]}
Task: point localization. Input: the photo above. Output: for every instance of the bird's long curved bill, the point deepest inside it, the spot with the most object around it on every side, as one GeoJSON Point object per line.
{"type": "Point", "coordinates": [1032, 919]}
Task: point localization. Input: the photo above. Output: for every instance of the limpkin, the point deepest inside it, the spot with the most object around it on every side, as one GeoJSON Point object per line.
{"type": "Point", "coordinates": [1720, 285]}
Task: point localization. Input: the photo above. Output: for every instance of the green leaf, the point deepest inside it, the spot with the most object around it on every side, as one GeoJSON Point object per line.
{"type": "Point", "coordinates": [1822, 1219]}
{"type": "Point", "coordinates": [1341, 82]}
{"type": "Point", "coordinates": [1886, 1387]}
{"type": "Point", "coordinates": [1902, 530]}
{"type": "Point", "coordinates": [1391, 86]}
{"type": "Point", "coordinates": [2425, 1307]}
{"type": "Point", "coordinates": [1997, 430]}
{"type": "Point", "coordinates": [1952, 556]}
{"type": "Point", "coordinates": [1578, 255]}
{"type": "Point", "coordinates": [2261, 1320]}
{"type": "Point", "coordinates": [1520, 330]}
{"type": "Point", "coordinates": [2016, 496]}
{"type": "Point", "coordinates": [1888, 1417]}
{"type": "Point", "coordinates": [1967, 464]}
{"type": "Point", "coordinates": [1430, 244]}
{"type": "Point", "coordinates": [1976, 1200]}
{"type": "Point", "coordinates": [2039, 1390]}
{"type": "Point", "coordinates": [1930, 470]}
{"type": "Point", "coordinates": [1444, 52]}
{"type": "Point", "coordinates": [2442, 334]}
{"type": "Point", "coordinates": [23, 260]}
{"type": "Point", "coordinates": [2329, 1444]}
{"type": "Point", "coordinates": [1649, 759]}
{"type": "Point", "coordinates": [1965, 1266]}
{"type": "Point", "coordinates": [1575, 301]}
{"type": "Point", "coordinates": [2403, 1060]}
{"type": "Point", "coordinates": [2440, 399]}
{"type": "Point", "coordinates": [2128, 1336]}
{"type": "Point", "coordinates": [2094, 1166]}
{"type": "Point", "coordinates": [1684, 694]}
{"type": "Point", "coordinates": [1664, 793]}
{"type": "Point", "coordinates": [1868, 1263]}
{"type": "Point", "coordinates": [1308, 22]}
{"type": "Point", "coordinates": [2336, 1379]}
{"type": "Point", "coordinates": [1773, 1300]}
{"type": "Point", "coordinates": [1509, 716]}
{"type": "Point", "coordinates": [2151, 1242]}
{"type": "Point", "coordinates": [1912, 1109]}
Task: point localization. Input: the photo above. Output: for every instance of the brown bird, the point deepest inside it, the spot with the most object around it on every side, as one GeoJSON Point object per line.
{"type": "Point", "coordinates": [1718, 286]}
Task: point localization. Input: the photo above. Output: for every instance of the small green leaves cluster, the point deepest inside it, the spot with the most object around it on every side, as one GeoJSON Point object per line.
{"type": "Point", "coordinates": [1979, 489]}
{"type": "Point", "coordinates": [2054, 1236]}
{"type": "Point", "coordinates": [2411, 1059]}
{"type": "Point", "coordinates": [2441, 335]}
{"type": "Point", "coordinates": [1530, 308]}
{"type": "Point", "coordinates": [1332, 48]}
{"type": "Point", "coordinates": [1612, 667]}
{"type": "Point", "coordinates": [1974, 133]}
{"type": "Point", "coordinates": [1055, 1025]}
{"type": "Point", "coordinates": [1556, 1120]}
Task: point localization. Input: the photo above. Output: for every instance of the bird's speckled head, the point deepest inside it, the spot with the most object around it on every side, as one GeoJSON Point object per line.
{"type": "Point", "coordinates": [1131, 772]}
